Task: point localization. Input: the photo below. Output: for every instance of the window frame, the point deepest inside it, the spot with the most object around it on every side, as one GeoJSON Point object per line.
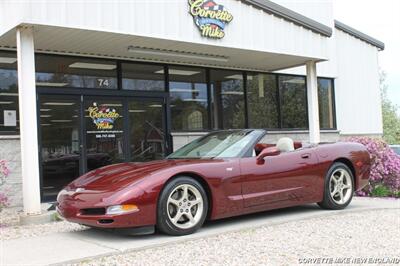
{"type": "Point", "coordinates": [332, 80]}
{"type": "Point", "coordinates": [166, 66]}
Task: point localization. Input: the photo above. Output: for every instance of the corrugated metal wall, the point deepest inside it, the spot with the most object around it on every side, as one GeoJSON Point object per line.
{"type": "Point", "coordinates": [251, 28]}
{"type": "Point", "coordinates": [357, 86]}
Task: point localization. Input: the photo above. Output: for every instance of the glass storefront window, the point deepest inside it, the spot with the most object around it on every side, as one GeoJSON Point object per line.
{"type": "Point", "coordinates": [262, 101]}
{"type": "Point", "coordinates": [147, 136]}
{"type": "Point", "coordinates": [293, 102]}
{"type": "Point", "coordinates": [189, 101]}
{"type": "Point", "coordinates": [62, 71]}
{"type": "Point", "coordinates": [143, 77]}
{"type": "Point", "coordinates": [60, 140]}
{"type": "Point", "coordinates": [227, 99]}
{"type": "Point", "coordinates": [325, 103]}
{"type": "Point", "coordinates": [9, 122]}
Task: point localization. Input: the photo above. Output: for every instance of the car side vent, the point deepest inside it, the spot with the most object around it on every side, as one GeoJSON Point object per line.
{"type": "Point", "coordinates": [93, 211]}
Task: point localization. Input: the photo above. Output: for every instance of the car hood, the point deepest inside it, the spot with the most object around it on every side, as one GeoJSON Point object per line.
{"type": "Point", "coordinates": [125, 174]}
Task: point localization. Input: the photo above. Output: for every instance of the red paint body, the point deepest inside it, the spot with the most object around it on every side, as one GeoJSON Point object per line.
{"type": "Point", "coordinates": [235, 186]}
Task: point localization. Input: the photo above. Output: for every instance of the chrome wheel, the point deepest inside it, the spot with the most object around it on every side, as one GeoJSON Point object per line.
{"type": "Point", "coordinates": [185, 206]}
{"type": "Point", "coordinates": [340, 186]}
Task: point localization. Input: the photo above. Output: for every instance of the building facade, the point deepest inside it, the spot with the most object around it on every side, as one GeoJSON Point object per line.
{"type": "Point", "coordinates": [86, 84]}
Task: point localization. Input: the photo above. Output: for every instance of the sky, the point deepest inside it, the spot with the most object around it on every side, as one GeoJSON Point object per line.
{"type": "Point", "coordinates": [381, 20]}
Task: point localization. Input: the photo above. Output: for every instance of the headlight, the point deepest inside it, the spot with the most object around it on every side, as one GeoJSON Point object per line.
{"type": "Point", "coordinates": [121, 209]}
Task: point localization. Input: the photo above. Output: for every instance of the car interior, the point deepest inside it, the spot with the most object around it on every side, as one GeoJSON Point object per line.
{"type": "Point", "coordinates": [284, 145]}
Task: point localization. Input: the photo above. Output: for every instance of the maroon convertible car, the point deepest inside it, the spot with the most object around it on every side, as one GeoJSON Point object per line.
{"type": "Point", "coordinates": [222, 174]}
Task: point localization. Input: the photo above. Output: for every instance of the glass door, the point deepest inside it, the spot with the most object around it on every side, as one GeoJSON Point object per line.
{"type": "Point", "coordinates": [104, 132]}
{"type": "Point", "coordinates": [82, 133]}
{"type": "Point", "coordinates": [146, 129]}
{"type": "Point", "coordinates": [60, 152]}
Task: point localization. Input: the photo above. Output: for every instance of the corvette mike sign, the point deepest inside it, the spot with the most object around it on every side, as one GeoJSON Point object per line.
{"type": "Point", "coordinates": [210, 18]}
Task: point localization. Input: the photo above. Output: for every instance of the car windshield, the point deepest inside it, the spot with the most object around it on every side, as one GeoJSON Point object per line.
{"type": "Point", "coordinates": [221, 144]}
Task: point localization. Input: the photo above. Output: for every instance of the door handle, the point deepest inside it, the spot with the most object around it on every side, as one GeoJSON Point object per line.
{"type": "Point", "coordinates": [305, 155]}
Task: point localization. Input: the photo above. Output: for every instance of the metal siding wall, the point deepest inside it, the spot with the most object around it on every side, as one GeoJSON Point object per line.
{"type": "Point", "coordinates": [354, 65]}
{"type": "Point", "coordinates": [358, 102]}
{"type": "Point", "coordinates": [251, 28]}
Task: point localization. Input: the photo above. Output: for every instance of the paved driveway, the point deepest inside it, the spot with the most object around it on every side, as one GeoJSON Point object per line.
{"type": "Point", "coordinates": [75, 246]}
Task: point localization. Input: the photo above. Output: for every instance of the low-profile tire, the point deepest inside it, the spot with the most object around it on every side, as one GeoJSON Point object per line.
{"type": "Point", "coordinates": [338, 187]}
{"type": "Point", "coordinates": [182, 207]}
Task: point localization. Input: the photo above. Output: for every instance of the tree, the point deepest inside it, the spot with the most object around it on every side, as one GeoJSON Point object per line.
{"type": "Point", "coordinates": [391, 120]}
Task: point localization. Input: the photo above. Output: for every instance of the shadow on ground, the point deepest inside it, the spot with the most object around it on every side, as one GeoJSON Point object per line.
{"type": "Point", "coordinates": [226, 222]}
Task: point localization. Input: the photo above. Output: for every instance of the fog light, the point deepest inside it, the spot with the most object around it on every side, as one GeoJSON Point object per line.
{"type": "Point", "coordinates": [121, 209]}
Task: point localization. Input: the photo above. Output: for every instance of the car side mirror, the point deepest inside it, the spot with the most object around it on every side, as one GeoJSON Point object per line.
{"type": "Point", "coordinates": [270, 151]}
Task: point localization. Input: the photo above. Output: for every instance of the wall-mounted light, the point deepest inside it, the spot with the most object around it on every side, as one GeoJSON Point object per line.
{"type": "Point", "coordinates": [178, 72]}
{"type": "Point", "coordinates": [236, 76]}
{"type": "Point", "coordinates": [93, 66]}
{"type": "Point", "coordinates": [51, 84]}
{"type": "Point", "coordinates": [58, 103]}
{"type": "Point", "coordinates": [179, 54]}
{"type": "Point", "coordinates": [61, 121]}
{"type": "Point", "coordinates": [8, 94]}
{"type": "Point", "coordinates": [137, 111]}
{"type": "Point", "coordinates": [183, 90]}
{"type": "Point", "coordinates": [195, 100]}
{"type": "Point", "coordinates": [294, 81]}
{"type": "Point", "coordinates": [7, 60]}
{"type": "Point", "coordinates": [232, 93]}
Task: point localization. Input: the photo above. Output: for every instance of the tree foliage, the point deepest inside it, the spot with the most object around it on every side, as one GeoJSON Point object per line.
{"type": "Point", "coordinates": [391, 120]}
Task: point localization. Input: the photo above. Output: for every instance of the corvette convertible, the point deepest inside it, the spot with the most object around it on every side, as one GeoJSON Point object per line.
{"type": "Point", "coordinates": [222, 174]}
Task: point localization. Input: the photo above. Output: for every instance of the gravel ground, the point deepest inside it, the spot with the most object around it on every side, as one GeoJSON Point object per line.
{"type": "Point", "coordinates": [10, 229]}
{"type": "Point", "coordinates": [367, 234]}
{"type": "Point", "coordinates": [9, 217]}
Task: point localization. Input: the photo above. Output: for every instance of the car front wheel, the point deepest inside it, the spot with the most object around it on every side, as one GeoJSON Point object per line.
{"type": "Point", "coordinates": [339, 187]}
{"type": "Point", "coordinates": [182, 207]}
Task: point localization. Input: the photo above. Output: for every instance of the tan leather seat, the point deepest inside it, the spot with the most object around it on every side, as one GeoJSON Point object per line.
{"type": "Point", "coordinates": [285, 144]}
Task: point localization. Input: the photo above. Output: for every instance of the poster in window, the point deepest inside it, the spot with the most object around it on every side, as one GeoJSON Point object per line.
{"type": "Point", "coordinates": [10, 118]}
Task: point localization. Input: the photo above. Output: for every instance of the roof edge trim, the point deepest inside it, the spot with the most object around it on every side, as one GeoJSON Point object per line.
{"type": "Point", "coordinates": [358, 34]}
{"type": "Point", "coordinates": [290, 15]}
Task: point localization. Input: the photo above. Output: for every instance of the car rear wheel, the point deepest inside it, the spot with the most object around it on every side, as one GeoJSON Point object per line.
{"type": "Point", "coordinates": [339, 187]}
{"type": "Point", "coordinates": [182, 207]}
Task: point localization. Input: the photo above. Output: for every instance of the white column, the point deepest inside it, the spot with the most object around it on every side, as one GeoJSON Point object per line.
{"type": "Point", "coordinates": [312, 98]}
{"type": "Point", "coordinates": [28, 121]}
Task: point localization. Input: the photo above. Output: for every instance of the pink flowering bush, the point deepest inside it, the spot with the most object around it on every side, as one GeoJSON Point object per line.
{"type": "Point", "coordinates": [385, 168]}
{"type": "Point", "coordinates": [4, 172]}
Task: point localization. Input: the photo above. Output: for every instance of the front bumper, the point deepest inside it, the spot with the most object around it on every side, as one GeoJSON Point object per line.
{"type": "Point", "coordinates": [71, 206]}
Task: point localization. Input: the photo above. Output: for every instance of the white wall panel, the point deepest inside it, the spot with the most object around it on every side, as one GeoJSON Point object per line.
{"type": "Point", "coordinates": [357, 86]}
{"type": "Point", "coordinates": [251, 28]}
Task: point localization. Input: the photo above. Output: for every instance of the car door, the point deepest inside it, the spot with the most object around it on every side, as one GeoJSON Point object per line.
{"type": "Point", "coordinates": [289, 176]}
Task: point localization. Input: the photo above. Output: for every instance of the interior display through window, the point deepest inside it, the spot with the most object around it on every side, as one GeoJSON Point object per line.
{"type": "Point", "coordinates": [228, 106]}
{"type": "Point", "coordinates": [189, 98]}
{"type": "Point", "coordinates": [63, 71]}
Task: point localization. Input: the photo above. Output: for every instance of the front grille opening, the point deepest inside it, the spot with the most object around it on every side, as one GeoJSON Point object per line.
{"type": "Point", "coordinates": [106, 221]}
{"type": "Point", "coordinates": [93, 211]}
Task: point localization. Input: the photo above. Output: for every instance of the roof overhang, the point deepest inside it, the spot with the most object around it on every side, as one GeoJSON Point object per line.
{"type": "Point", "coordinates": [103, 44]}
